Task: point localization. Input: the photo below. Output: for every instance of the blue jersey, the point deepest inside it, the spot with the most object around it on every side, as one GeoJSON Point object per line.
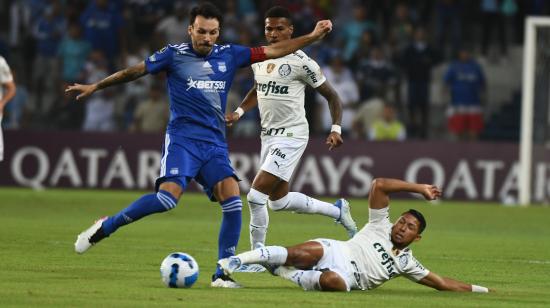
{"type": "Point", "coordinates": [466, 80]}
{"type": "Point", "coordinates": [198, 87]}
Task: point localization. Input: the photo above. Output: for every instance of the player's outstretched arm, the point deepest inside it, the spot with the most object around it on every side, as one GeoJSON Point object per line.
{"type": "Point", "coordinates": [437, 282]}
{"type": "Point", "coordinates": [122, 76]}
{"type": "Point", "coordinates": [381, 189]}
{"type": "Point", "coordinates": [286, 47]}
{"type": "Point", "coordinates": [334, 139]}
{"type": "Point", "coordinates": [249, 102]}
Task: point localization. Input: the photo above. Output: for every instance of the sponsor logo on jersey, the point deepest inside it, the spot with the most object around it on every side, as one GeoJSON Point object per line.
{"type": "Point", "coordinates": [284, 70]}
{"type": "Point", "coordinates": [206, 85]}
{"type": "Point", "coordinates": [271, 88]}
{"type": "Point", "coordinates": [387, 260]}
{"type": "Point", "coordinates": [270, 67]}
{"type": "Point", "coordinates": [222, 67]}
{"type": "Point", "coordinates": [278, 152]}
{"type": "Point", "coordinates": [310, 73]}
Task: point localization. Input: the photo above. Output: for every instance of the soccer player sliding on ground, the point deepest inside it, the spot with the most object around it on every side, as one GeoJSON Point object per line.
{"type": "Point", "coordinates": [377, 253]}
{"type": "Point", "coordinates": [199, 75]}
{"type": "Point", "coordinates": [279, 92]}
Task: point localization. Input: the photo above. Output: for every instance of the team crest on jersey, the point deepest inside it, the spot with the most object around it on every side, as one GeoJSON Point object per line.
{"type": "Point", "coordinates": [270, 68]}
{"type": "Point", "coordinates": [403, 260]}
{"type": "Point", "coordinates": [284, 70]}
{"type": "Point", "coordinates": [222, 67]}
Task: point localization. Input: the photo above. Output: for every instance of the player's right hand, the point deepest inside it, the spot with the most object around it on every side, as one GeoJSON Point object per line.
{"type": "Point", "coordinates": [322, 28]}
{"type": "Point", "coordinates": [85, 90]}
{"type": "Point", "coordinates": [431, 192]}
{"type": "Point", "coordinates": [231, 118]}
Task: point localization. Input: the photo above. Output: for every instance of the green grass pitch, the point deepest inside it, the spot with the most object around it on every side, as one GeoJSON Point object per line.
{"type": "Point", "coordinates": [507, 249]}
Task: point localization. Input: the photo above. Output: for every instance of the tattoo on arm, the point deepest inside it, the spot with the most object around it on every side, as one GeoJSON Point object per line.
{"type": "Point", "coordinates": [125, 75]}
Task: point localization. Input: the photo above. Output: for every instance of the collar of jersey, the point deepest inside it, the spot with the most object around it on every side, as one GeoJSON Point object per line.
{"type": "Point", "coordinates": [199, 55]}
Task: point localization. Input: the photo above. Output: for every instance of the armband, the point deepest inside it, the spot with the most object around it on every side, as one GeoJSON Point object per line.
{"type": "Point", "coordinates": [336, 128]}
{"type": "Point", "coordinates": [257, 54]}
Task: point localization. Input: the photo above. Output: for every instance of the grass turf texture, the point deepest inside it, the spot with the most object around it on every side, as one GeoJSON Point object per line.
{"type": "Point", "coordinates": [507, 249]}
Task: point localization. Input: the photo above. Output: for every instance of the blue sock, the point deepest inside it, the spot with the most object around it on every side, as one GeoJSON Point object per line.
{"type": "Point", "coordinates": [146, 205]}
{"type": "Point", "coordinates": [230, 230]}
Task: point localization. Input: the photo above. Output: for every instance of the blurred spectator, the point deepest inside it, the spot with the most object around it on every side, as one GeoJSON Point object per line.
{"type": "Point", "coordinates": [172, 29]}
{"type": "Point", "coordinates": [145, 16]}
{"type": "Point", "coordinates": [103, 27]}
{"type": "Point", "coordinates": [73, 53]}
{"type": "Point", "coordinates": [369, 111]}
{"type": "Point", "coordinates": [344, 84]}
{"type": "Point", "coordinates": [418, 60]}
{"type": "Point", "coordinates": [100, 112]}
{"type": "Point", "coordinates": [401, 31]}
{"type": "Point", "coordinates": [151, 115]}
{"type": "Point", "coordinates": [366, 44]}
{"type": "Point", "coordinates": [388, 127]}
{"type": "Point", "coordinates": [492, 19]}
{"type": "Point", "coordinates": [466, 81]}
{"type": "Point", "coordinates": [377, 76]}
{"type": "Point", "coordinates": [134, 92]}
{"type": "Point", "coordinates": [449, 25]}
{"type": "Point", "coordinates": [48, 32]}
{"type": "Point", "coordinates": [16, 106]}
{"type": "Point", "coordinates": [353, 30]}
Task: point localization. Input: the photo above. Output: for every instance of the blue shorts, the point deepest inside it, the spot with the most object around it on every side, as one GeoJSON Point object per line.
{"type": "Point", "coordinates": [184, 159]}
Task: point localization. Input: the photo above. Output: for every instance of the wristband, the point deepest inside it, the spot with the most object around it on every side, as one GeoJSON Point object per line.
{"type": "Point", "coordinates": [336, 128]}
{"type": "Point", "coordinates": [239, 111]}
{"type": "Point", "coordinates": [479, 289]}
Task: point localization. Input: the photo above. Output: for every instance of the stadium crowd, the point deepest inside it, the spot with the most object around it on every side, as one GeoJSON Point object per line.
{"type": "Point", "coordinates": [379, 59]}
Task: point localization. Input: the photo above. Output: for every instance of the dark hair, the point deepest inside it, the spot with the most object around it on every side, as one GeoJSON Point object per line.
{"type": "Point", "coordinates": [206, 10]}
{"type": "Point", "coordinates": [419, 217]}
{"type": "Point", "coordinates": [278, 12]}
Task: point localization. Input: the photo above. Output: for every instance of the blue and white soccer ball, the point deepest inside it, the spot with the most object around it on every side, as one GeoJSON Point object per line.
{"type": "Point", "coordinates": [179, 270]}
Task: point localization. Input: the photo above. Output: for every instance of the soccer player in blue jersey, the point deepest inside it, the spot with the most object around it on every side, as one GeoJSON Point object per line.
{"type": "Point", "coordinates": [199, 75]}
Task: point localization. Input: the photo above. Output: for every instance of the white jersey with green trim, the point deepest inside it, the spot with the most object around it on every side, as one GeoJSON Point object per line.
{"type": "Point", "coordinates": [376, 260]}
{"type": "Point", "coordinates": [280, 87]}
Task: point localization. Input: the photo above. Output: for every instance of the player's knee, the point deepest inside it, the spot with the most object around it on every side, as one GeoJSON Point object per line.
{"type": "Point", "coordinates": [174, 189]}
{"type": "Point", "coordinates": [331, 281]}
{"type": "Point", "coordinates": [256, 199]}
{"type": "Point", "coordinates": [280, 204]}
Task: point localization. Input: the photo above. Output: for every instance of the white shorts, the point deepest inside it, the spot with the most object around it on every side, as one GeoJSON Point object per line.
{"type": "Point", "coordinates": [280, 155]}
{"type": "Point", "coordinates": [337, 259]}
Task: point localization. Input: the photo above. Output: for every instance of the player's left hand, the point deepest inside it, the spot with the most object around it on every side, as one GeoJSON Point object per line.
{"type": "Point", "coordinates": [431, 192]}
{"type": "Point", "coordinates": [334, 140]}
{"type": "Point", "coordinates": [231, 118]}
{"type": "Point", "coordinates": [322, 28]}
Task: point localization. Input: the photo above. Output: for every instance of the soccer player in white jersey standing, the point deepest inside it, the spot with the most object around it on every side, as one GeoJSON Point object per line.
{"type": "Point", "coordinates": [376, 254]}
{"type": "Point", "coordinates": [279, 93]}
{"type": "Point", "coordinates": [7, 92]}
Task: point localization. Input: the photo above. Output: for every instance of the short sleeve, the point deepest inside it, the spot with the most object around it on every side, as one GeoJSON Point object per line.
{"type": "Point", "coordinates": [5, 72]}
{"type": "Point", "coordinates": [242, 55]}
{"type": "Point", "coordinates": [414, 270]}
{"type": "Point", "coordinates": [312, 73]}
{"type": "Point", "coordinates": [379, 216]}
{"type": "Point", "coordinates": [160, 60]}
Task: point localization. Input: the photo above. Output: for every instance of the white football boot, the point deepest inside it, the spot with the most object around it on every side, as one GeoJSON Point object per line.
{"type": "Point", "coordinates": [84, 240]}
{"type": "Point", "coordinates": [345, 218]}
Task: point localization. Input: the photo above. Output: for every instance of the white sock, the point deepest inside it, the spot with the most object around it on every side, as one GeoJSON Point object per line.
{"type": "Point", "coordinates": [259, 218]}
{"type": "Point", "coordinates": [300, 203]}
{"type": "Point", "coordinates": [308, 280]}
{"type": "Point", "coordinates": [275, 255]}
